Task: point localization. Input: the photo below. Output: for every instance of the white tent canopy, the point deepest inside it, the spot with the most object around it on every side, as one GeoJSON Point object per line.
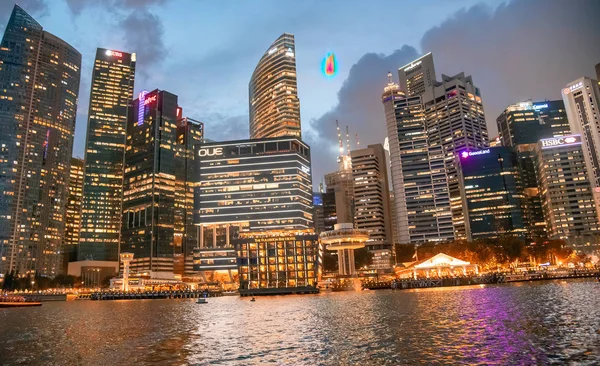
{"type": "Point", "coordinates": [441, 260]}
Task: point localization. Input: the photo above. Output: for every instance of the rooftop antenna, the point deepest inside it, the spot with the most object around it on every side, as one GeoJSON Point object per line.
{"type": "Point", "coordinates": [357, 141]}
{"type": "Point", "coordinates": [347, 141]}
{"type": "Point", "coordinates": [341, 145]}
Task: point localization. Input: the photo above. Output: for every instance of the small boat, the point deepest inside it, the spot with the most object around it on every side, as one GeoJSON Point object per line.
{"type": "Point", "coordinates": [202, 300]}
{"type": "Point", "coordinates": [252, 299]}
{"type": "Point", "coordinates": [19, 304]}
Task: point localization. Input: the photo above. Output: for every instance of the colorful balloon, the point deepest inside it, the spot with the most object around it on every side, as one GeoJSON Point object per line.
{"type": "Point", "coordinates": [329, 65]}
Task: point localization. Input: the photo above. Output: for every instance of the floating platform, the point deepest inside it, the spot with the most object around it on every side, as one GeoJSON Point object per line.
{"type": "Point", "coordinates": [19, 304]}
{"type": "Point", "coordinates": [303, 290]}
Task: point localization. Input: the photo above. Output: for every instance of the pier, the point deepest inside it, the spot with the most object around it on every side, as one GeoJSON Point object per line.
{"type": "Point", "coordinates": [152, 295]}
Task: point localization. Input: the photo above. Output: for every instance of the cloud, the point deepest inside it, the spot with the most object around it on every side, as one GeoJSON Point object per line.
{"type": "Point", "coordinates": [149, 43]}
{"type": "Point", "coordinates": [359, 107]}
{"type": "Point", "coordinates": [220, 127]}
{"type": "Point", "coordinates": [33, 7]}
{"type": "Point", "coordinates": [77, 6]}
{"type": "Point", "coordinates": [520, 50]}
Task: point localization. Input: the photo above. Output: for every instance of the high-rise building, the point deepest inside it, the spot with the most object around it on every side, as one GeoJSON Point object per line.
{"type": "Point", "coordinates": [582, 100]}
{"type": "Point", "coordinates": [73, 211]}
{"type": "Point", "coordinates": [553, 113]}
{"type": "Point", "coordinates": [372, 202]}
{"type": "Point", "coordinates": [421, 197]}
{"type": "Point", "coordinates": [492, 193]}
{"type": "Point", "coordinates": [318, 212]}
{"type": "Point", "coordinates": [156, 222]}
{"type": "Point", "coordinates": [520, 123]}
{"type": "Point", "coordinates": [565, 189]}
{"type": "Point", "coordinates": [532, 204]}
{"type": "Point", "coordinates": [248, 186]}
{"type": "Point", "coordinates": [418, 77]}
{"type": "Point", "coordinates": [273, 92]}
{"type": "Point", "coordinates": [455, 120]}
{"type": "Point", "coordinates": [40, 75]}
{"type": "Point", "coordinates": [111, 91]}
{"type": "Point", "coordinates": [598, 73]}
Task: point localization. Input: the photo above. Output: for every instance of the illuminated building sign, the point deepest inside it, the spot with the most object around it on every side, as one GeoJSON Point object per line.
{"type": "Point", "coordinates": [150, 99]}
{"type": "Point", "coordinates": [217, 151]}
{"type": "Point", "coordinates": [141, 109]}
{"type": "Point", "coordinates": [540, 106]}
{"type": "Point", "coordinates": [466, 154]}
{"type": "Point", "coordinates": [561, 141]}
{"type": "Point", "coordinates": [114, 53]}
{"type": "Point", "coordinates": [305, 169]}
{"type": "Point", "coordinates": [412, 66]}
{"type": "Point", "coordinates": [573, 87]}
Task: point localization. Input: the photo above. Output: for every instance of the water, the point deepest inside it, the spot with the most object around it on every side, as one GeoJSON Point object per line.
{"type": "Point", "coordinates": [520, 324]}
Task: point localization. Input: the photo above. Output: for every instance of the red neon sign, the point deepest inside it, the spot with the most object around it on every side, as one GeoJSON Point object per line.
{"type": "Point", "coordinates": [150, 99]}
{"type": "Point", "coordinates": [114, 53]}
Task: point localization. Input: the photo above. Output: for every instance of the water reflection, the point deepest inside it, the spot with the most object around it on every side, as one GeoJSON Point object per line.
{"type": "Point", "coordinates": [539, 323]}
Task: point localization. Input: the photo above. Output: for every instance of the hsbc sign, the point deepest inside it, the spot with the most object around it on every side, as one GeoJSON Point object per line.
{"type": "Point", "coordinates": [215, 151]}
{"type": "Point", "coordinates": [561, 141]}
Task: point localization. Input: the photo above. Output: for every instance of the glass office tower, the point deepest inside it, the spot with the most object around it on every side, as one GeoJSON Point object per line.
{"type": "Point", "coordinates": [273, 92]}
{"type": "Point", "coordinates": [155, 222]}
{"type": "Point", "coordinates": [492, 193]}
{"type": "Point", "coordinates": [112, 89]}
{"type": "Point", "coordinates": [40, 75]}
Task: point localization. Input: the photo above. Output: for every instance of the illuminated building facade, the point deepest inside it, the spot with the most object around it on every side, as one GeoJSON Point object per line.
{"type": "Point", "coordinates": [418, 77]}
{"type": "Point", "coordinates": [273, 92]}
{"type": "Point", "coordinates": [492, 193]}
{"type": "Point", "coordinates": [157, 226]}
{"type": "Point", "coordinates": [73, 211]}
{"type": "Point", "coordinates": [111, 92]}
{"type": "Point", "coordinates": [582, 102]}
{"type": "Point", "coordinates": [565, 189]}
{"type": "Point", "coordinates": [455, 120]}
{"type": "Point", "coordinates": [40, 75]}
{"type": "Point", "coordinates": [248, 185]}
{"type": "Point", "coordinates": [554, 113]}
{"type": "Point", "coordinates": [421, 197]}
{"type": "Point", "coordinates": [520, 123]}
{"type": "Point", "coordinates": [278, 259]}
{"type": "Point", "coordinates": [372, 202]}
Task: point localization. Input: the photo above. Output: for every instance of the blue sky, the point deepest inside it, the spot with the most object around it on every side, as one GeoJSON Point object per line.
{"type": "Point", "coordinates": [205, 52]}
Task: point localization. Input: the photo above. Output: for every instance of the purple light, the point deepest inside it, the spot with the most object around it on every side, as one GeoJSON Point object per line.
{"type": "Point", "coordinates": [465, 154]}
{"type": "Point", "coordinates": [141, 107]}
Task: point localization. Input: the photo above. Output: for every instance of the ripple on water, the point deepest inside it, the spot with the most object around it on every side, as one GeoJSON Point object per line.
{"type": "Point", "coordinates": [524, 324]}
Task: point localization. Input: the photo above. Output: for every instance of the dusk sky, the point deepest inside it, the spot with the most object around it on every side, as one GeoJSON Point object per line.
{"type": "Point", "coordinates": [205, 52]}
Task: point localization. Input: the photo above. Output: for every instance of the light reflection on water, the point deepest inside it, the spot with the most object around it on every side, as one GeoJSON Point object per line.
{"type": "Point", "coordinates": [530, 323]}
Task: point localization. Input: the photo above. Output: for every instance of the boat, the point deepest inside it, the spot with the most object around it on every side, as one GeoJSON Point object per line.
{"type": "Point", "coordinates": [252, 299]}
{"type": "Point", "coordinates": [202, 300]}
{"type": "Point", "coordinates": [19, 304]}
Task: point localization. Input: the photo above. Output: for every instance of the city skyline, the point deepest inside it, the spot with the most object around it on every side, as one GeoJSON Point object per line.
{"type": "Point", "coordinates": [364, 56]}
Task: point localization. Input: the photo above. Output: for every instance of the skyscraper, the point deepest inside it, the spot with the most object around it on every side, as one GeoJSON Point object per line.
{"type": "Point", "coordinates": [111, 91]}
{"type": "Point", "coordinates": [566, 191]}
{"type": "Point", "coordinates": [421, 197]}
{"type": "Point", "coordinates": [492, 193]}
{"type": "Point", "coordinates": [455, 120]}
{"type": "Point", "coordinates": [372, 202]}
{"type": "Point", "coordinates": [418, 76]}
{"type": "Point", "coordinates": [73, 211]}
{"type": "Point", "coordinates": [39, 74]}
{"type": "Point", "coordinates": [156, 224]}
{"type": "Point", "coordinates": [248, 186]}
{"type": "Point", "coordinates": [273, 92]}
{"type": "Point", "coordinates": [520, 123]}
{"type": "Point", "coordinates": [582, 100]}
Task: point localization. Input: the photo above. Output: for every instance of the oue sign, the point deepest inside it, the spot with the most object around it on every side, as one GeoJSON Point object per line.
{"type": "Point", "coordinates": [217, 151]}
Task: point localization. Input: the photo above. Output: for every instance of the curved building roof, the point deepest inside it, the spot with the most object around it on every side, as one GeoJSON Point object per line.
{"type": "Point", "coordinates": [273, 93]}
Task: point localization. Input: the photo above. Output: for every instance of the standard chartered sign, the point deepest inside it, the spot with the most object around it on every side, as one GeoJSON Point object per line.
{"type": "Point", "coordinates": [215, 151]}
{"type": "Point", "coordinates": [560, 141]}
